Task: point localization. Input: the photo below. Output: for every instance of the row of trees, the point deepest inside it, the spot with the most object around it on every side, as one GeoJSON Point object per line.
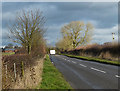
{"type": "Point", "coordinates": [28, 30]}
{"type": "Point", "coordinates": [74, 34]}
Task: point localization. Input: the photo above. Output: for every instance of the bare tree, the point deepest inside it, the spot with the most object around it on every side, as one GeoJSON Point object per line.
{"type": "Point", "coordinates": [28, 28]}
{"type": "Point", "coordinates": [77, 33]}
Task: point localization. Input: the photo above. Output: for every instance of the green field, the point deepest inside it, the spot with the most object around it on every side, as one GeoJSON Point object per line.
{"type": "Point", "coordinates": [52, 78]}
{"type": "Point", "coordinates": [7, 53]}
{"type": "Point", "coordinates": [95, 59]}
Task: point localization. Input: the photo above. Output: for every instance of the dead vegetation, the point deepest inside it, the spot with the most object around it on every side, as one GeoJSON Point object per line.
{"type": "Point", "coordinates": [27, 70]}
{"type": "Point", "coordinates": [28, 77]}
{"type": "Point", "coordinates": [106, 51]}
{"type": "Point", "coordinates": [32, 76]}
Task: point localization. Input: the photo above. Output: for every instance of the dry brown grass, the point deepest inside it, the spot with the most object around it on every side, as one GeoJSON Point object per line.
{"type": "Point", "coordinates": [32, 71]}
{"type": "Point", "coordinates": [32, 77]}
{"type": "Point", "coordinates": [28, 68]}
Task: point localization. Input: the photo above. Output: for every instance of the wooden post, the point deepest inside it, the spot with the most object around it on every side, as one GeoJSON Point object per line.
{"type": "Point", "coordinates": [6, 70]}
{"type": "Point", "coordinates": [15, 71]}
{"type": "Point", "coordinates": [22, 69]}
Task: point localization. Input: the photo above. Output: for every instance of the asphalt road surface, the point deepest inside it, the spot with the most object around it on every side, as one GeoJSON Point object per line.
{"type": "Point", "coordinates": [83, 74]}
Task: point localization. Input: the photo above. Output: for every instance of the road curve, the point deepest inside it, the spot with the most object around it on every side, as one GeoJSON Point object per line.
{"type": "Point", "coordinates": [86, 74]}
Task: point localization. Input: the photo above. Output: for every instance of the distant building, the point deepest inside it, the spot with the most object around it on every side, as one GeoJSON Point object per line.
{"type": "Point", "coordinates": [107, 43]}
{"type": "Point", "coordinates": [9, 50]}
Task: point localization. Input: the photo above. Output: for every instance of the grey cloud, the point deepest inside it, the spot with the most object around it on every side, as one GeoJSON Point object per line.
{"type": "Point", "coordinates": [107, 31]}
{"type": "Point", "coordinates": [102, 15]}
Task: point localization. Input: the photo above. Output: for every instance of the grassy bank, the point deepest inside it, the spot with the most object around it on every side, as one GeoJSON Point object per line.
{"type": "Point", "coordinates": [52, 78]}
{"type": "Point", "coordinates": [7, 53]}
{"type": "Point", "coordinates": [94, 59]}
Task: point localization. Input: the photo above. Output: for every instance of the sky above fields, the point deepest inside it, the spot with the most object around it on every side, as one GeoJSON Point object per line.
{"type": "Point", "coordinates": [103, 16]}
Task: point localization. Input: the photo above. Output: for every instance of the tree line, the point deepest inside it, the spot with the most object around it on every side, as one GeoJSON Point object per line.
{"type": "Point", "coordinates": [29, 29]}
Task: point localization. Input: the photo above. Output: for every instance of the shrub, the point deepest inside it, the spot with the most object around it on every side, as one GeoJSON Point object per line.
{"type": "Point", "coordinates": [106, 51]}
{"type": "Point", "coordinates": [9, 61]}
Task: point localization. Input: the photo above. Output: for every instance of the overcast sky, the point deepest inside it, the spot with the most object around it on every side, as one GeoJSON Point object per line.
{"type": "Point", "coordinates": [103, 16]}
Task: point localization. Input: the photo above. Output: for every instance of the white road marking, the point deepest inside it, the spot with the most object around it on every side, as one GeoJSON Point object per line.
{"type": "Point", "coordinates": [64, 58]}
{"type": "Point", "coordinates": [82, 65]}
{"type": "Point", "coordinates": [69, 60]}
{"type": "Point", "coordinates": [78, 59]}
{"type": "Point", "coordinates": [117, 76]}
{"type": "Point", "coordinates": [98, 70]}
{"type": "Point", "coordinates": [73, 62]}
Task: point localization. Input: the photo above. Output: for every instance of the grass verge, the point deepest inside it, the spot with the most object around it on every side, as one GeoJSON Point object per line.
{"type": "Point", "coordinates": [7, 53]}
{"type": "Point", "coordinates": [117, 63]}
{"type": "Point", "coordinates": [52, 78]}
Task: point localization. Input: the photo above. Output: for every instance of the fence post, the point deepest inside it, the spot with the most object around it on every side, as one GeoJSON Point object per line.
{"type": "Point", "coordinates": [6, 70]}
{"type": "Point", "coordinates": [15, 71]}
{"type": "Point", "coordinates": [22, 68]}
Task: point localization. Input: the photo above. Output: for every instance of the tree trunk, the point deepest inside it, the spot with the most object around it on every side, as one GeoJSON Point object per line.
{"type": "Point", "coordinates": [29, 49]}
{"type": "Point", "coordinates": [74, 45]}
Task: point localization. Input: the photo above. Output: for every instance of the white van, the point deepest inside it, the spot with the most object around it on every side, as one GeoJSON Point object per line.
{"type": "Point", "coordinates": [52, 51]}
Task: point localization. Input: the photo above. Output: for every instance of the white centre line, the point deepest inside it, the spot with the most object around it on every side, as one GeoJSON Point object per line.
{"type": "Point", "coordinates": [82, 65]}
{"type": "Point", "coordinates": [73, 62]}
{"type": "Point", "coordinates": [117, 76]}
{"type": "Point", "coordinates": [69, 60]}
{"type": "Point", "coordinates": [98, 70]}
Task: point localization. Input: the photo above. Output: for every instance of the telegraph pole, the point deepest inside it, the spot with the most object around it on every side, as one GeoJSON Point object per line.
{"type": "Point", "coordinates": [113, 34]}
